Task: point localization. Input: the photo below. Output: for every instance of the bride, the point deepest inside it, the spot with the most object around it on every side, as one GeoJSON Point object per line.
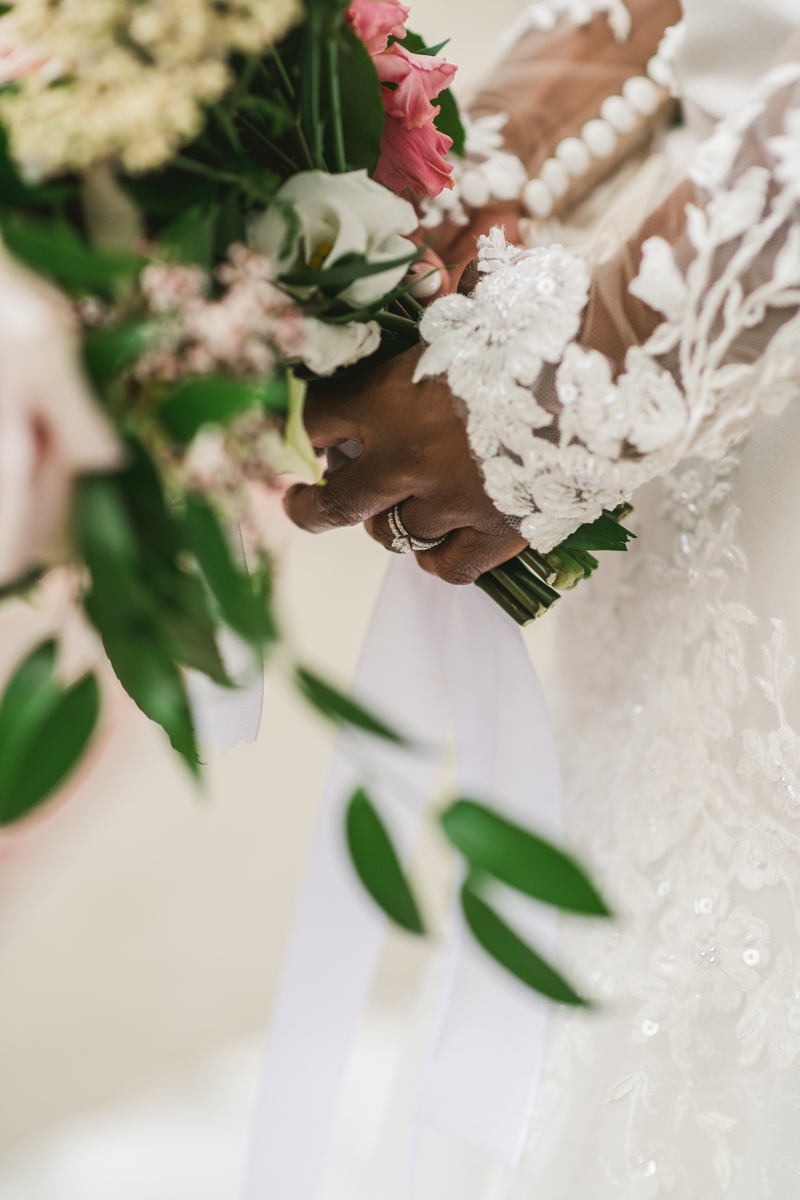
{"type": "Point", "coordinates": [547, 389]}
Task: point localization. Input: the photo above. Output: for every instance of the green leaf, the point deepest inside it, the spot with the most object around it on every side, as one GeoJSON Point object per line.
{"type": "Point", "coordinates": [603, 534]}
{"type": "Point", "coordinates": [143, 664]}
{"type": "Point", "coordinates": [507, 948]}
{"type": "Point", "coordinates": [59, 743]}
{"type": "Point", "coordinates": [448, 121]}
{"type": "Point", "coordinates": [242, 606]}
{"type": "Point", "coordinates": [214, 401]}
{"type": "Point", "coordinates": [15, 192]}
{"type": "Point", "coordinates": [169, 192]}
{"type": "Point", "coordinates": [30, 695]}
{"type": "Point", "coordinates": [191, 236]}
{"type": "Point", "coordinates": [54, 249]}
{"type": "Point", "coordinates": [339, 708]}
{"type": "Point", "coordinates": [349, 268]}
{"type": "Point", "coordinates": [377, 864]}
{"type": "Point", "coordinates": [363, 113]}
{"type": "Point", "coordinates": [43, 731]}
{"type": "Point", "coordinates": [107, 352]}
{"type": "Point", "coordinates": [520, 859]}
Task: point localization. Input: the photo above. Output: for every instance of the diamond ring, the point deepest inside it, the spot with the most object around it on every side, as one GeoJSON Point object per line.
{"type": "Point", "coordinates": [405, 541]}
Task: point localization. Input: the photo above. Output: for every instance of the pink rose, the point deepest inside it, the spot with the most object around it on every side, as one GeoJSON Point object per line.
{"type": "Point", "coordinates": [374, 20]}
{"type": "Point", "coordinates": [412, 150]}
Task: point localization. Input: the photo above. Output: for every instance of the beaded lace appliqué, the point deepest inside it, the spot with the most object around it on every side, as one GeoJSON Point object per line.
{"type": "Point", "coordinates": [554, 466]}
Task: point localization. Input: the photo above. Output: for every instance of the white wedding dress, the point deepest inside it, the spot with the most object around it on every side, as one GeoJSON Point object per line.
{"type": "Point", "coordinates": [675, 694]}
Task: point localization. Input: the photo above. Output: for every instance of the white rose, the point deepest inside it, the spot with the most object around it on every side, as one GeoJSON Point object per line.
{"type": "Point", "coordinates": [51, 427]}
{"type": "Point", "coordinates": [326, 347]}
{"type": "Point", "coordinates": [337, 215]}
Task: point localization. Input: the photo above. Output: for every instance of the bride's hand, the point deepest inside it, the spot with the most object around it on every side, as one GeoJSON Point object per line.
{"type": "Point", "coordinates": [415, 453]}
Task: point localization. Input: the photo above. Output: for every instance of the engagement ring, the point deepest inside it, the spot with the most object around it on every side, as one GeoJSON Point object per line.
{"type": "Point", "coordinates": [403, 540]}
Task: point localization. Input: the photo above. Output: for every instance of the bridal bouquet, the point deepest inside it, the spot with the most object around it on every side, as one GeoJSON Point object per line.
{"type": "Point", "coordinates": [199, 213]}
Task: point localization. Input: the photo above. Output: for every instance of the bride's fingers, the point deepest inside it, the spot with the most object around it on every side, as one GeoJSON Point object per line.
{"type": "Point", "coordinates": [348, 496]}
{"type": "Point", "coordinates": [467, 553]}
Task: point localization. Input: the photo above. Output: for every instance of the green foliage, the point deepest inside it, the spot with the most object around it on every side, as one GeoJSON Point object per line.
{"type": "Point", "coordinates": [107, 352]}
{"type": "Point", "coordinates": [215, 400]}
{"type": "Point", "coordinates": [149, 607]}
{"type": "Point", "coordinates": [344, 272]}
{"type": "Point", "coordinates": [520, 859]}
{"type": "Point", "coordinates": [603, 534]}
{"type": "Point", "coordinates": [448, 121]}
{"type": "Point", "coordinates": [15, 193]}
{"type": "Point", "coordinates": [53, 248]}
{"type": "Point", "coordinates": [363, 114]}
{"type": "Point", "coordinates": [377, 864]}
{"type": "Point", "coordinates": [191, 236]}
{"type": "Point", "coordinates": [340, 709]}
{"type": "Point", "coordinates": [44, 730]}
{"type": "Point", "coordinates": [243, 600]}
{"type": "Point", "coordinates": [507, 948]}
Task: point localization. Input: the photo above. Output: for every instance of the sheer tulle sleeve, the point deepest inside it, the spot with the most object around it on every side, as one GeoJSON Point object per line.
{"type": "Point", "coordinates": [578, 387]}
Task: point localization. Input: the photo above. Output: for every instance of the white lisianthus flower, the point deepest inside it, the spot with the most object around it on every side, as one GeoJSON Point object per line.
{"type": "Point", "coordinates": [318, 219]}
{"type": "Point", "coordinates": [326, 347]}
{"type": "Point", "coordinates": [51, 427]}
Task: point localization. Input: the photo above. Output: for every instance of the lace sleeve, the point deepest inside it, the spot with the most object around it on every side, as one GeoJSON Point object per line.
{"type": "Point", "coordinates": [578, 388]}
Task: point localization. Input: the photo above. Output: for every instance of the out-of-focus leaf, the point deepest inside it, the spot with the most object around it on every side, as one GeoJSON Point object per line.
{"type": "Point", "coordinates": [58, 744]}
{"type": "Point", "coordinates": [191, 236]}
{"type": "Point", "coordinates": [507, 948]}
{"type": "Point", "coordinates": [242, 606]}
{"type": "Point", "coordinates": [363, 114]}
{"type": "Point", "coordinates": [44, 730]}
{"type": "Point", "coordinates": [345, 271]}
{"type": "Point", "coordinates": [339, 708]}
{"type": "Point", "coordinates": [149, 608]}
{"type": "Point", "coordinates": [29, 697]}
{"type": "Point", "coordinates": [107, 352]}
{"type": "Point", "coordinates": [521, 859]}
{"type": "Point", "coordinates": [15, 192]}
{"type": "Point", "coordinates": [377, 864]}
{"type": "Point", "coordinates": [209, 401]}
{"type": "Point", "coordinates": [603, 534]}
{"type": "Point", "coordinates": [295, 435]}
{"type": "Point", "coordinates": [448, 121]}
{"type": "Point", "coordinates": [54, 249]}
{"type": "Point", "coordinates": [144, 666]}
{"type": "Point", "coordinates": [166, 193]}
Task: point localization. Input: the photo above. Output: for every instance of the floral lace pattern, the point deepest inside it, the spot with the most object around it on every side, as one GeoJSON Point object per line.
{"type": "Point", "coordinates": [690, 819]}
{"type": "Point", "coordinates": [700, 381]}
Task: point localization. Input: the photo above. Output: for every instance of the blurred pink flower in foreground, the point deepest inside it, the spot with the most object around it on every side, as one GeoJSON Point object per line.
{"type": "Point", "coordinates": [17, 58]}
{"type": "Point", "coordinates": [412, 150]}
{"type": "Point", "coordinates": [51, 427]}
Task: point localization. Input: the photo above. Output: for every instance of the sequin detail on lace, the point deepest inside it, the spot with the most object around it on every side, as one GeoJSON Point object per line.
{"type": "Point", "coordinates": [554, 467]}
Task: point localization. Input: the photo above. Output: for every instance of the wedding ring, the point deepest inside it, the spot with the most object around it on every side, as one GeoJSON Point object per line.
{"type": "Point", "coordinates": [405, 541]}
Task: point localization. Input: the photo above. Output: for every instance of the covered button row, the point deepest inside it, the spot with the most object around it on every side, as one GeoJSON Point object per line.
{"type": "Point", "coordinates": [573, 156]}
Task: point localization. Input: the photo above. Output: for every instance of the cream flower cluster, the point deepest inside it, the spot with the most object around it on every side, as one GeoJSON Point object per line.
{"type": "Point", "coordinates": [124, 79]}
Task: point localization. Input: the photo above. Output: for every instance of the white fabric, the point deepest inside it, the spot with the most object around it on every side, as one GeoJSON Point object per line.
{"type": "Point", "coordinates": [726, 46]}
{"type": "Point", "coordinates": [432, 654]}
{"type": "Point", "coordinates": [223, 717]}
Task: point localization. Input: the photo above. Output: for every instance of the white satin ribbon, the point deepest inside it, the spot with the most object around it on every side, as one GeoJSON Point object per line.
{"type": "Point", "coordinates": [433, 654]}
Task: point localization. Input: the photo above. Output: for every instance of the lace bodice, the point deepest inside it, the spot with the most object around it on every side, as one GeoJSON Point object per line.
{"type": "Point", "coordinates": [563, 431]}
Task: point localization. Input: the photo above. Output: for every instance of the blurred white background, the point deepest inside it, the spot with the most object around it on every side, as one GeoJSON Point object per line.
{"type": "Point", "coordinates": [142, 922]}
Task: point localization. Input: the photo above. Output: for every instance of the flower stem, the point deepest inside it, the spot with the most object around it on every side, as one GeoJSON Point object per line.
{"type": "Point", "coordinates": [336, 105]}
{"type": "Point", "coordinates": [284, 78]}
{"type": "Point", "coordinates": [518, 612]}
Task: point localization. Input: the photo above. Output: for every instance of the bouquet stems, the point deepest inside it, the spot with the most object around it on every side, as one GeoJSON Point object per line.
{"type": "Point", "coordinates": [528, 585]}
